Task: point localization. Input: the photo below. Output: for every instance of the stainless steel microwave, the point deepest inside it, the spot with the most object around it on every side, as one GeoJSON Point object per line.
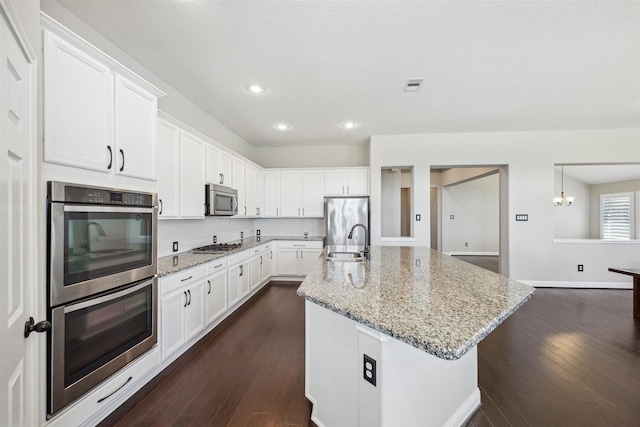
{"type": "Point", "coordinates": [220, 200]}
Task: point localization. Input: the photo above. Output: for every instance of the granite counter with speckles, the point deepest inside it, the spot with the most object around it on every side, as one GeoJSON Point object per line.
{"type": "Point", "coordinates": [430, 301]}
{"type": "Point", "coordinates": [171, 264]}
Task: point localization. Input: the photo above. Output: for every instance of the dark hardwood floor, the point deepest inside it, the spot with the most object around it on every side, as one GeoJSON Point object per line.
{"type": "Point", "coordinates": [489, 262]}
{"type": "Point", "coordinates": [568, 357]}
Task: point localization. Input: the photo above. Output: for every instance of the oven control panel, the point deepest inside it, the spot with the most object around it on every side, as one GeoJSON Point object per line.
{"type": "Point", "coordinates": [99, 196]}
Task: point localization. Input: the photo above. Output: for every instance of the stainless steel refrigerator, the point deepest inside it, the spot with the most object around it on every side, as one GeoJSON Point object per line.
{"type": "Point", "coordinates": [341, 214]}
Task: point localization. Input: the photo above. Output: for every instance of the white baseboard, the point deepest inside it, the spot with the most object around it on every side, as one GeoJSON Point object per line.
{"type": "Point", "coordinates": [580, 285]}
{"type": "Point", "coordinates": [473, 253]}
{"type": "Point", "coordinates": [464, 413]}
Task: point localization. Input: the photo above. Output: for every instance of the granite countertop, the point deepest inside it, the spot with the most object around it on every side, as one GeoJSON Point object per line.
{"type": "Point", "coordinates": [171, 264]}
{"type": "Point", "coordinates": [431, 301]}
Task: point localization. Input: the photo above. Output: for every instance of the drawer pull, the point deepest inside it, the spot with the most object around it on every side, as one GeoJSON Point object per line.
{"type": "Point", "coordinates": [217, 266]}
{"type": "Point", "coordinates": [184, 280]}
{"type": "Point", "coordinates": [304, 246]}
{"type": "Point", "coordinates": [115, 391]}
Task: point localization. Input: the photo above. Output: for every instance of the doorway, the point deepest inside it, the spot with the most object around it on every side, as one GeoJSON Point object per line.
{"type": "Point", "coordinates": [469, 214]}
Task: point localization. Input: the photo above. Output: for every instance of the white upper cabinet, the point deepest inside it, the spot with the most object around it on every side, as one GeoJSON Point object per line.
{"type": "Point", "coordinates": [290, 194]}
{"type": "Point", "coordinates": [238, 183]}
{"type": "Point", "coordinates": [213, 157]}
{"type": "Point", "coordinates": [312, 194]}
{"type": "Point", "coordinates": [78, 121]}
{"type": "Point", "coordinates": [136, 112]}
{"type": "Point", "coordinates": [251, 189]}
{"type": "Point", "coordinates": [224, 168]}
{"type": "Point", "coordinates": [346, 182]}
{"type": "Point", "coordinates": [192, 175]}
{"type": "Point", "coordinates": [98, 114]}
{"type": "Point", "coordinates": [271, 194]}
{"type": "Point", "coordinates": [168, 170]}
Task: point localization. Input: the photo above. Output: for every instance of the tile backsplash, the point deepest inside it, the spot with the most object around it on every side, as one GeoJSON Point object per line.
{"type": "Point", "coordinates": [199, 232]}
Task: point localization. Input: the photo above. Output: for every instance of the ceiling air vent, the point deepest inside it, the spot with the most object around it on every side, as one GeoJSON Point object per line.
{"type": "Point", "coordinates": [413, 84]}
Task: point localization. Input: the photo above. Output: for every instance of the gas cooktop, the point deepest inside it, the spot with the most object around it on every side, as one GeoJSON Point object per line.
{"type": "Point", "coordinates": [217, 248]}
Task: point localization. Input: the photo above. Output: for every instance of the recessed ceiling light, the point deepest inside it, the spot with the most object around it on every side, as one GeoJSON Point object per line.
{"type": "Point", "coordinates": [348, 125]}
{"type": "Point", "coordinates": [282, 126]}
{"type": "Point", "coordinates": [255, 89]}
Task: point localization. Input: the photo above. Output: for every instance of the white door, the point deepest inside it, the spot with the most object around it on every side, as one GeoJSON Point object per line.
{"type": "Point", "coordinates": [169, 170]}
{"type": "Point", "coordinates": [196, 309]}
{"type": "Point", "coordinates": [173, 321]}
{"type": "Point", "coordinates": [216, 295]}
{"type": "Point", "coordinates": [19, 263]}
{"type": "Point", "coordinates": [271, 194]}
{"type": "Point", "coordinates": [334, 183]}
{"type": "Point", "coordinates": [192, 175]}
{"type": "Point", "coordinates": [312, 194]}
{"type": "Point", "coordinates": [290, 185]}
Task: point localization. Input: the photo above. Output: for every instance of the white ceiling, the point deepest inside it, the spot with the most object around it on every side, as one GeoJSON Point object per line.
{"type": "Point", "coordinates": [488, 65]}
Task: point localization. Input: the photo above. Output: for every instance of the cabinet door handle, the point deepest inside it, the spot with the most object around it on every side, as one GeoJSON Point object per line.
{"type": "Point", "coordinates": [189, 291]}
{"type": "Point", "coordinates": [241, 270]}
{"type": "Point", "coordinates": [302, 211]}
{"type": "Point", "coordinates": [161, 207]}
{"type": "Point", "coordinates": [122, 154]}
{"type": "Point", "coordinates": [257, 211]}
{"type": "Point", "coordinates": [184, 280]}
{"type": "Point", "coordinates": [115, 391]}
{"type": "Point", "coordinates": [220, 177]}
{"type": "Point", "coordinates": [110, 164]}
{"type": "Point", "coordinates": [209, 282]}
{"type": "Point", "coordinates": [271, 255]}
{"type": "Point", "coordinates": [277, 211]}
{"type": "Point", "coordinates": [260, 259]}
{"type": "Point", "coordinates": [303, 246]}
{"type": "Point", "coordinates": [343, 189]}
{"type": "Point", "coordinates": [186, 299]}
{"type": "Point", "coordinates": [245, 210]}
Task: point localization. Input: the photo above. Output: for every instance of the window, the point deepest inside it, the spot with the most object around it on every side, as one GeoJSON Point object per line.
{"type": "Point", "coordinates": [617, 216]}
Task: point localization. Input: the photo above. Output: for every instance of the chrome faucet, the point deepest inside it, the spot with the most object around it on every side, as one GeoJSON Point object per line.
{"type": "Point", "coordinates": [366, 236]}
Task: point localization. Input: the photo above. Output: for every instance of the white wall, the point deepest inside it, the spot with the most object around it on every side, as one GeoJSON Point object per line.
{"type": "Point", "coordinates": [571, 222]}
{"type": "Point", "coordinates": [315, 156]}
{"type": "Point", "coordinates": [475, 207]}
{"type": "Point", "coordinates": [530, 158]}
{"type": "Point", "coordinates": [390, 206]}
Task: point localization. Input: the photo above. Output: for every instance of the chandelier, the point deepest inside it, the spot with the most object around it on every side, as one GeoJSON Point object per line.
{"type": "Point", "coordinates": [560, 201]}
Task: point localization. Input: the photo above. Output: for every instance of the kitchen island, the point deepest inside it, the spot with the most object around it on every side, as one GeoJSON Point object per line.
{"type": "Point", "coordinates": [391, 341]}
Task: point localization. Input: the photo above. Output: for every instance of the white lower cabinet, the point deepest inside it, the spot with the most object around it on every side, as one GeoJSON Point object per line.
{"type": "Point", "coordinates": [182, 309]}
{"type": "Point", "coordinates": [266, 262]}
{"type": "Point", "coordinates": [216, 289]}
{"type": "Point", "coordinates": [238, 276]}
{"type": "Point", "coordinates": [295, 258]}
{"type": "Point", "coordinates": [255, 264]}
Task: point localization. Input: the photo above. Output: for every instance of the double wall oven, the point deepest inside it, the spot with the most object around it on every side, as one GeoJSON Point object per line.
{"type": "Point", "coordinates": [102, 285]}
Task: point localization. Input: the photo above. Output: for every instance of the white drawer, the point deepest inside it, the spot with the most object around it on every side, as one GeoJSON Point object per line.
{"type": "Point", "coordinates": [239, 258]}
{"type": "Point", "coordinates": [266, 248]}
{"type": "Point", "coordinates": [217, 265]}
{"type": "Point", "coordinates": [176, 281]}
{"type": "Point", "coordinates": [256, 250]}
{"type": "Point", "coordinates": [300, 244]}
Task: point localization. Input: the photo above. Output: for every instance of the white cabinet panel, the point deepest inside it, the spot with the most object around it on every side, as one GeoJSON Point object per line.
{"type": "Point", "coordinates": [136, 113]}
{"type": "Point", "coordinates": [174, 322]}
{"type": "Point", "coordinates": [169, 170]}
{"type": "Point", "coordinates": [239, 184]}
{"type": "Point", "coordinates": [224, 168]}
{"type": "Point", "coordinates": [267, 264]}
{"type": "Point", "coordinates": [347, 182]}
{"type": "Point", "coordinates": [256, 271]}
{"type": "Point", "coordinates": [295, 258]}
{"type": "Point", "coordinates": [238, 282]}
{"type": "Point", "coordinates": [308, 258]}
{"type": "Point", "coordinates": [312, 194]}
{"type": "Point", "coordinates": [195, 310]}
{"type": "Point", "coordinates": [78, 105]}
{"type": "Point", "coordinates": [290, 189]}
{"type": "Point", "coordinates": [271, 194]}
{"type": "Point", "coordinates": [213, 170]}
{"type": "Point", "coordinates": [216, 295]}
{"type": "Point", "coordinates": [357, 182]}
{"type": "Point", "coordinates": [192, 176]}
{"type": "Point", "coordinates": [288, 262]}
{"type": "Point", "coordinates": [251, 190]}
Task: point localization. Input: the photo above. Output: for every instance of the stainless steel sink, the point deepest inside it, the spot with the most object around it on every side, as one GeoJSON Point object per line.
{"type": "Point", "coordinates": [345, 256]}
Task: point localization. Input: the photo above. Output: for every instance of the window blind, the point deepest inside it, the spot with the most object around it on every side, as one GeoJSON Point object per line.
{"type": "Point", "coordinates": [617, 216]}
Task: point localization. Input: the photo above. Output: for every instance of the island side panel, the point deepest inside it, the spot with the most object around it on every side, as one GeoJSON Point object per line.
{"type": "Point", "coordinates": [413, 388]}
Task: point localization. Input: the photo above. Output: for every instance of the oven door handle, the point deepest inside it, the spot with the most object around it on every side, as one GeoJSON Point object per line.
{"type": "Point", "coordinates": [110, 208]}
{"type": "Point", "coordinates": [95, 301]}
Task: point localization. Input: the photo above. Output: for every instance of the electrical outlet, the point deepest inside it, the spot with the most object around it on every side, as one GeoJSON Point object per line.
{"type": "Point", "coordinates": [215, 239]}
{"type": "Point", "coordinates": [580, 267]}
{"type": "Point", "coordinates": [175, 246]}
{"type": "Point", "coordinates": [452, 216]}
{"type": "Point", "coordinates": [418, 217]}
{"type": "Point", "coordinates": [242, 234]}
{"type": "Point", "coordinates": [257, 232]}
{"type": "Point", "coordinates": [369, 369]}
{"type": "Point", "coordinates": [466, 243]}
